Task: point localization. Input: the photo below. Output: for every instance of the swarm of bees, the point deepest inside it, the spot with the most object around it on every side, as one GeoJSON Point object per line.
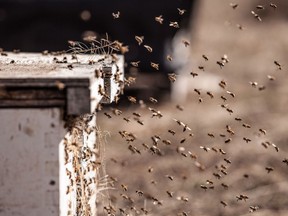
{"type": "Point", "coordinates": [180, 149]}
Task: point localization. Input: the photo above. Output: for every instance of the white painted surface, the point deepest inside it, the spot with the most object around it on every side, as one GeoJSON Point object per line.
{"type": "Point", "coordinates": [29, 144]}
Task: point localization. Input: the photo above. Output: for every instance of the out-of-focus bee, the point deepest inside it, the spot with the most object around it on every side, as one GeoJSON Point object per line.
{"type": "Point", "coordinates": [260, 7]}
{"type": "Point", "coordinates": [210, 94]}
{"type": "Point", "coordinates": [201, 67]}
{"type": "Point", "coordinates": [159, 19]}
{"type": "Point", "coordinates": [229, 110]}
{"type": "Point", "coordinates": [172, 77]}
{"type": "Point", "coordinates": [197, 91]}
{"type": "Point", "coordinates": [205, 57]}
{"type": "Point", "coordinates": [211, 135]}
{"type": "Point", "coordinates": [135, 63]}
{"type": "Point", "coordinates": [246, 125]}
{"type": "Point", "coordinates": [217, 175]}
{"type": "Point", "coordinates": [179, 107]}
{"type": "Point", "coordinates": [172, 132]}
{"type": "Point", "coordinates": [126, 119]}
{"type": "Point", "coordinates": [256, 16]}
{"type": "Point", "coordinates": [154, 65]}
{"type": "Point", "coordinates": [153, 100]}
{"type": "Point", "coordinates": [169, 58]}
{"type": "Point", "coordinates": [261, 88]}
{"type": "Point", "coordinates": [149, 48]}
{"type": "Point", "coordinates": [239, 26]}
{"type": "Point", "coordinates": [170, 193]}
{"type": "Point", "coordinates": [221, 64]}
{"type": "Point", "coordinates": [285, 161]}
{"type": "Point", "coordinates": [116, 15]}
{"type": "Point", "coordinates": [253, 208]}
{"type": "Point", "coordinates": [124, 187]}
{"type": "Point", "coordinates": [132, 99]}
{"type": "Point", "coordinates": [205, 148]}
{"type": "Point", "coordinates": [231, 93]}
{"type": "Point", "coordinates": [253, 84]}
{"type": "Point", "coordinates": [233, 5]}
{"type": "Point", "coordinates": [139, 39]}
{"type": "Point", "coordinates": [193, 74]}
{"type": "Point", "coordinates": [246, 139]}
{"type": "Point", "coordinates": [278, 64]}
{"type": "Point", "coordinates": [174, 24]}
{"type": "Point", "coordinates": [262, 131]}
{"type": "Point", "coordinates": [273, 5]}
{"type": "Point", "coordinates": [242, 197]}
{"type": "Point", "coordinates": [227, 161]}
{"type": "Point", "coordinates": [108, 115]}
{"type": "Point", "coordinates": [238, 119]}
{"type": "Point", "coordinates": [269, 169]}
{"type": "Point", "coordinates": [186, 43]}
{"type": "Point", "coordinates": [181, 11]}
{"type": "Point", "coordinates": [170, 177]}
{"type": "Point", "coordinates": [223, 84]}
{"type": "Point", "coordinates": [228, 140]}
{"type": "Point", "coordinates": [224, 203]}
{"type": "Point", "coordinates": [272, 78]}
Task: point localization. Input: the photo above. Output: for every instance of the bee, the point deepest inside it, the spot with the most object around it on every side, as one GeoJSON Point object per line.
{"type": "Point", "coordinates": [227, 161]}
{"type": "Point", "coordinates": [172, 132]}
{"type": "Point", "coordinates": [246, 125]}
{"type": "Point", "coordinates": [179, 107]}
{"type": "Point", "coordinates": [260, 7]}
{"type": "Point", "coordinates": [256, 16]}
{"type": "Point", "coordinates": [233, 5]}
{"type": "Point", "coordinates": [253, 208]}
{"type": "Point", "coordinates": [135, 63]}
{"type": "Point", "coordinates": [154, 65]}
{"type": "Point", "coordinates": [137, 114]}
{"type": "Point", "coordinates": [172, 77]}
{"type": "Point", "coordinates": [242, 197]}
{"type": "Point", "coordinates": [145, 146]}
{"type": "Point", "coordinates": [132, 99]}
{"type": "Point", "coordinates": [186, 43]}
{"type": "Point", "coordinates": [231, 93]}
{"type": "Point", "coordinates": [269, 169]}
{"type": "Point", "coordinates": [205, 57]}
{"type": "Point", "coordinates": [221, 64]}
{"type": "Point", "coordinates": [210, 94]}
{"type": "Point", "coordinates": [209, 182]}
{"type": "Point", "coordinates": [214, 149]}
{"type": "Point", "coordinates": [223, 84]}
{"type": "Point", "coordinates": [169, 58]}
{"type": "Point", "coordinates": [60, 85]}
{"type": "Point", "coordinates": [223, 171]}
{"type": "Point", "coordinates": [97, 73]}
{"type": "Point", "coordinates": [230, 111]}
{"type": "Point", "coordinates": [211, 135]}
{"type": "Point", "coordinates": [272, 78]}
{"type": "Point", "coordinates": [181, 11]}
{"type": "Point", "coordinates": [13, 61]}
{"type": "Point", "coordinates": [193, 74]}
{"type": "Point", "coordinates": [149, 49]}
{"type": "Point", "coordinates": [238, 119]}
{"type": "Point", "coordinates": [159, 19]}
{"type": "Point", "coordinates": [262, 131]}
{"type": "Point", "coordinates": [273, 5]}
{"type": "Point", "coordinates": [239, 26]}
{"type": "Point", "coordinates": [174, 24]}
{"type": "Point", "coordinates": [225, 186]}
{"type": "Point", "coordinates": [278, 64]}
{"type": "Point", "coordinates": [264, 145]}
{"type": "Point", "coordinates": [205, 148]}
{"type": "Point", "coordinates": [224, 203]}
{"type": "Point", "coordinates": [217, 175]}
{"type": "Point", "coordinates": [140, 122]}
{"type": "Point", "coordinates": [170, 193]}
{"type": "Point", "coordinates": [197, 91]}
{"type": "Point", "coordinates": [166, 142]}
{"type": "Point", "coordinates": [275, 147]}
{"type": "Point", "coordinates": [126, 119]}
{"type": "Point", "coordinates": [223, 98]}
{"type": "Point", "coordinates": [201, 68]}
{"type": "Point", "coordinates": [153, 100]}
{"type": "Point", "coordinates": [139, 39]}
{"type": "Point", "coordinates": [108, 115]}
{"type": "Point", "coordinates": [140, 193]}
{"type": "Point", "coordinates": [228, 140]}
{"type": "Point", "coordinates": [204, 187]}
{"type": "Point", "coordinates": [253, 84]}
{"type": "Point", "coordinates": [124, 187]}
{"type": "Point", "coordinates": [170, 177]}
{"type": "Point", "coordinates": [116, 15]}
{"type": "Point", "coordinates": [285, 161]}
{"type": "Point", "coordinates": [246, 139]}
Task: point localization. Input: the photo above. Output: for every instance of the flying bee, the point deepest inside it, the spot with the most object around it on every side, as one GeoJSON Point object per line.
{"type": "Point", "coordinates": [222, 151]}
{"type": "Point", "coordinates": [253, 208]}
{"type": "Point", "coordinates": [201, 67]}
{"type": "Point", "coordinates": [205, 148]}
{"type": "Point", "coordinates": [210, 94]}
{"type": "Point", "coordinates": [231, 93]}
{"type": "Point", "coordinates": [170, 193]}
{"type": "Point", "coordinates": [116, 15]}
{"type": "Point", "coordinates": [246, 139]}
{"type": "Point", "coordinates": [169, 58]}
{"type": "Point", "coordinates": [233, 5]}
{"type": "Point", "coordinates": [135, 63]}
{"type": "Point", "coordinates": [273, 5]}
{"type": "Point", "coordinates": [205, 57]}
{"type": "Point", "coordinates": [278, 64]}
{"type": "Point", "coordinates": [230, 111]}
{"type": "Point", "coordinates": [272, 78]}
{"type": "Point", "coordinates": [174, 24]}
{"type": "Point", "coordinates": [154, 65]}
{"type": "Point", "coordinates": [172, 77]}
{"type": "Point", "coordinates": [217, 175]}
{"type": "Point", "coordinates": [124, 187]}
{"type": "Point", "coordinates": [239, 26]}
{"type": "Point", "coordinates": [269, 169]}
{"type": "Point", "coordinates": [253, 84]}
{"type": "Point", "coordinates": [60, 85]}
{"type": "Point", "coordinates": [126, 119]}
{"type": "Point", "coordinates": [223, 98]}
{"type": "Point", "coordinates": [179, 107]}
{"type": "Point", "coordinates": [137, 114]}
{"type": "Point", "coordinates": [221, 64]}
{"type": "Point", "coordinates": [139, 39]}
{"type": "Point", "coordinates": [193, 74]}
{"type": "Point", "coordinates": [204, 187]}
{"type": "Point", "coordinates": [166, 142]}
{"type": "Point", "coordinates": [275, 147]}
{"type": "Point", "coordinates": [228, 140]}
{"type": "Point", "coordinates": [261, 88]}
{"type": "Point", "coordinates": [223, 203]}
{"type": "Point", "coordinates": [197, 91]}
{"type": "Point", "coordinates": [159, 19]}
{"type": "Point", "coordinates": [246, 125]}
{"type": "Point", "coordinates": [211, 135]}
{"type": "Point", "coordinates": [132, 99]}
{"type": "Point", "coordinates": [186, 43]}
{"type": "Point", "coordinates": [260, 7]}
{"type": "Point", "coordinates": [172, 132]}
{"type": "Point", "coordinates": [223, 84]}
{"type": "Point", "coordinates": [214, 149]}
{"type": "Point", "coordinates": [149, 48]}
{"type": "Point", "coordinates": [262, 131]}
{"type": "Point", "coordinates": [181, 11]}
{"type": "Point", "coordinates": [108, 115]}
{"type": "Point", "coordinates": [285, 161]}
{"type": "Point", "coordinates": [238, 119]}
{"type": "Point", "coordinates": [227, 161]}
{"type": "Point", "coordinates": [140, 193]}
{"type": "Point", "coordinates": [256, 16]}
{"type": "Point", "coordinates": [153, 100]}
{"type": "Point", "coordinates": [200, 100]}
